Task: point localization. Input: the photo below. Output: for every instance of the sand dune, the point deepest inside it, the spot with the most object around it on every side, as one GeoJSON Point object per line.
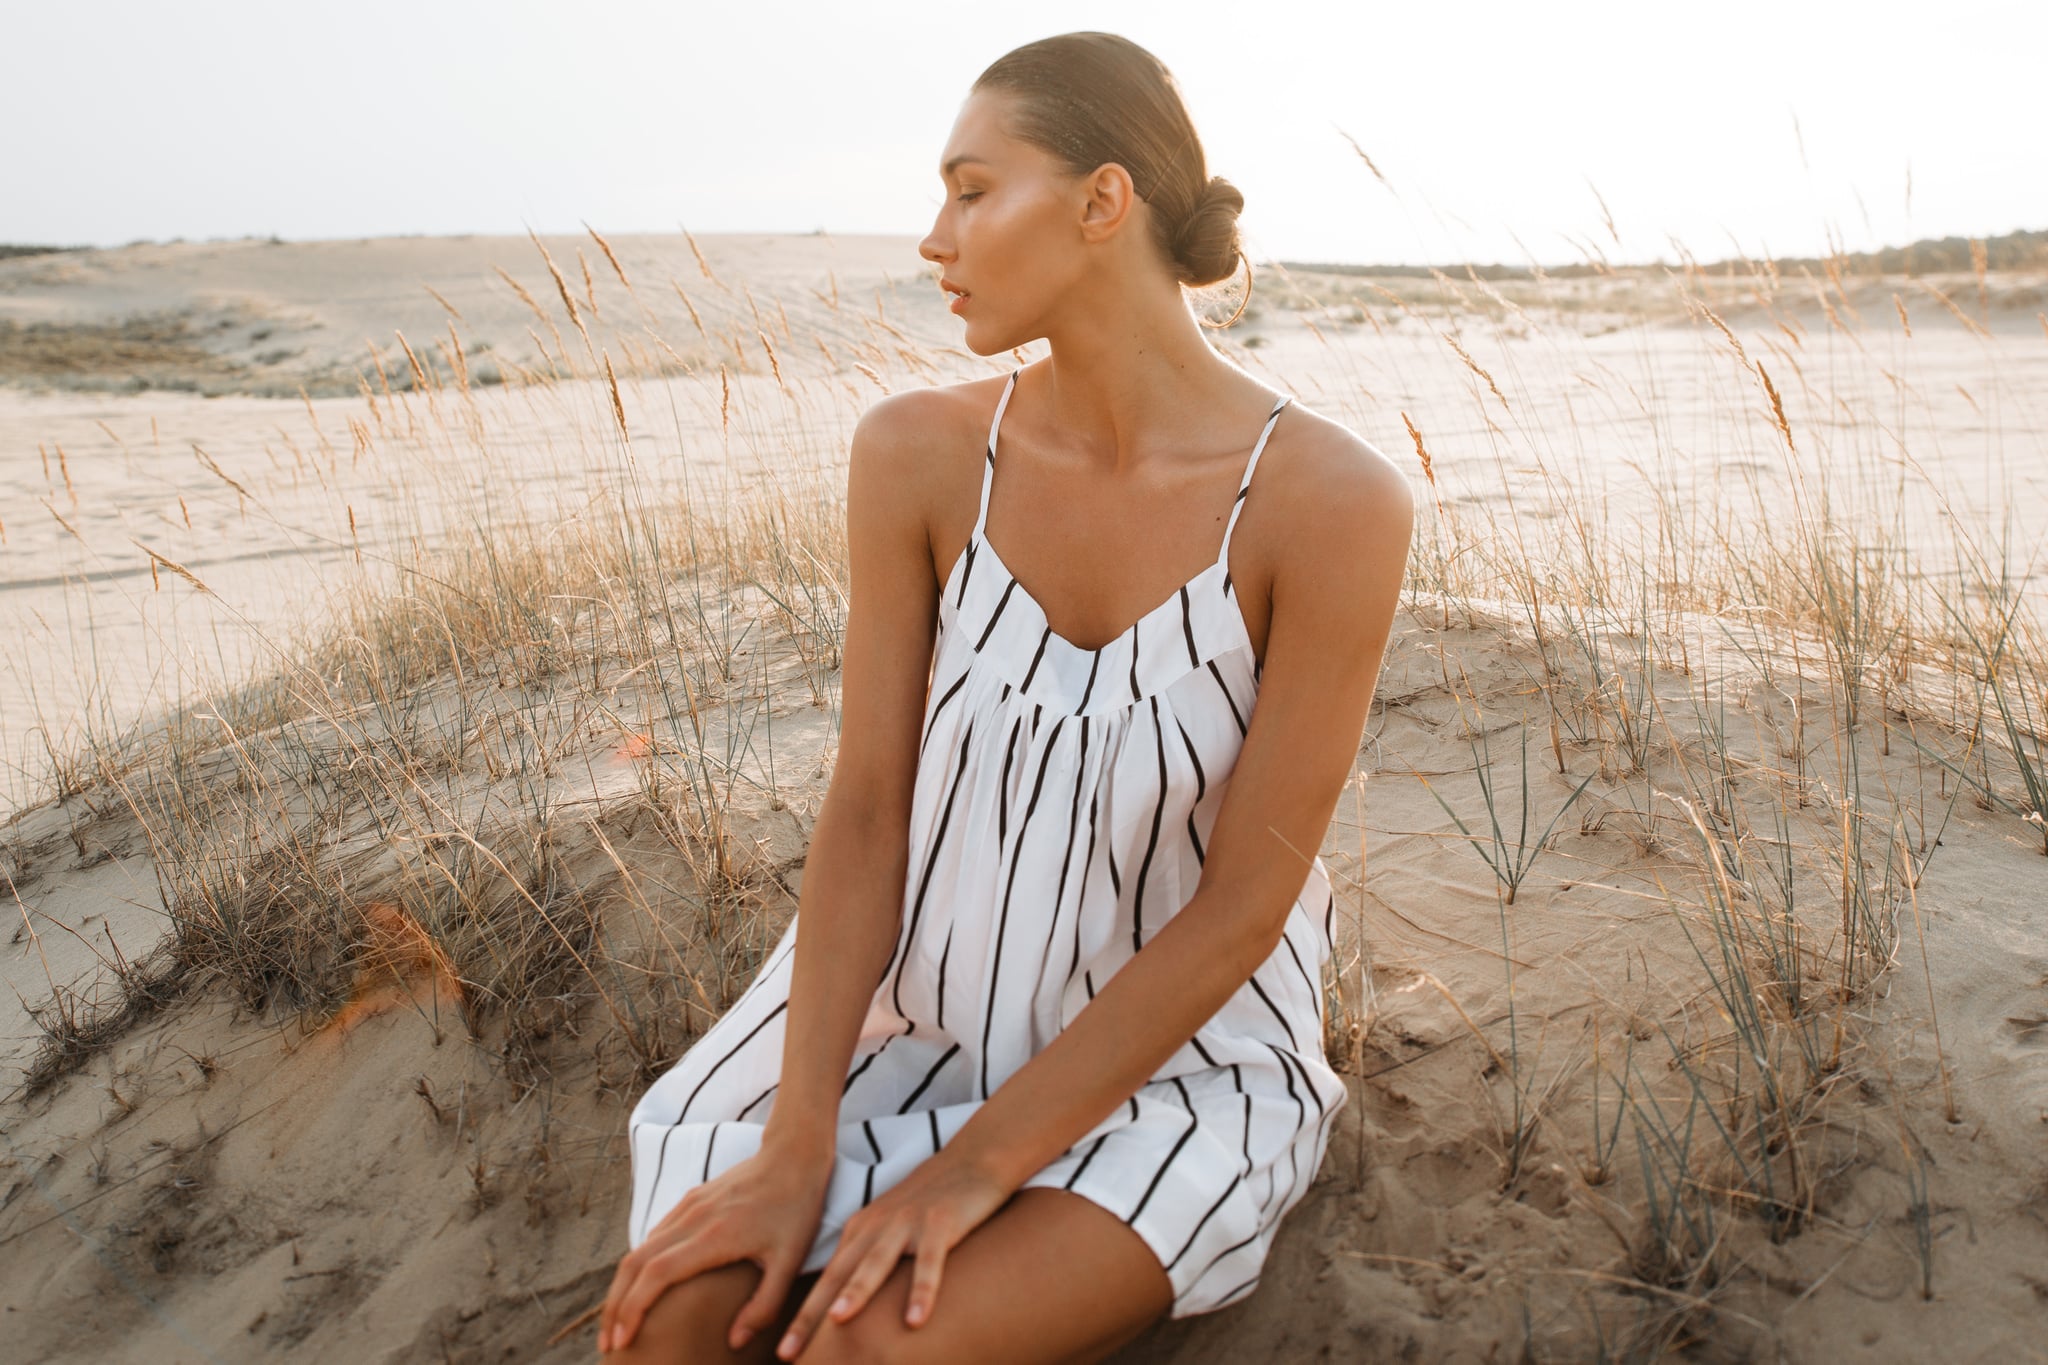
{"type": "Point", "coordinates": [388, 866]}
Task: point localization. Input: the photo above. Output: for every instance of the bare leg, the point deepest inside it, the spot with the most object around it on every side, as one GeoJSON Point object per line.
{"type": "Point", "coordinates": [689, 1324]}
{"type": "Point", "coordinates": [1050, 1278]}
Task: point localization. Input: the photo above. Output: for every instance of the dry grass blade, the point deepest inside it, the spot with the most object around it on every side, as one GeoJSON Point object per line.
{"type": "Point", "coordinates": [179, 569]}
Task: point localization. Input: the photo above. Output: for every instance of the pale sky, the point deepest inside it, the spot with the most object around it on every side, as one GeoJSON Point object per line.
{"type": "Point", "coordinates": [1730, 126]}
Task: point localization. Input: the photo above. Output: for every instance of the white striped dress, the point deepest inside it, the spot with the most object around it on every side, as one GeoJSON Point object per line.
{"type": "Point", "coordinates": [1064, 797]}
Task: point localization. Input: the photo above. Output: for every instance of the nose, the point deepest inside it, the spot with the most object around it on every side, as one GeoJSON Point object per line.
{"type": "Point", "coordinates": [935, 248]}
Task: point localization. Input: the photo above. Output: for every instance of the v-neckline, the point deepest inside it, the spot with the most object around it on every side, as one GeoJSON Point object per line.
{"type": "Point", "coordinates": [1241, 630]}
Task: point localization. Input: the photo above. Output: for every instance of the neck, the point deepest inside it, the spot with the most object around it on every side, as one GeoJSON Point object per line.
{"type": "Point", "coordinates": [1129, 370]}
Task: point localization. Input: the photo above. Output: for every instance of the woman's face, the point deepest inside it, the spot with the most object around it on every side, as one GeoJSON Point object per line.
{"type": "Point", "coordinates": [1013, 230]}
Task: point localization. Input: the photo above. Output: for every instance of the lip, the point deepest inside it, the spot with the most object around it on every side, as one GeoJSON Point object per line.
{"type": "Point", "coordinates": [957, 295]}
{"type": "Point", "coordinates": [958, 302]}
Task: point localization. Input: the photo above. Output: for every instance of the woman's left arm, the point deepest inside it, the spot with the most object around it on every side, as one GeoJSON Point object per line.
{"type": "Point", "coordinates": [1334, 594]}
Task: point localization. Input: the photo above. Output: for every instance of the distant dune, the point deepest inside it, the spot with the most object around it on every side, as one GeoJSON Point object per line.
{"type": "Point", "coordinates": [396, 777]}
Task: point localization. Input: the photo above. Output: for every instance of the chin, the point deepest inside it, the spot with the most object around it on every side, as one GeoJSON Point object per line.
{"type": "Point", "coordinates": [984, 341]}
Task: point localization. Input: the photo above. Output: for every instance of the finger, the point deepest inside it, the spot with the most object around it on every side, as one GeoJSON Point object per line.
{"type": "Point", "coordinates": [664, 1231]}
{"type": "Point", "coordinates": [614, 1293]}
{"type": "Point", "coordinates": [867, 1277]}
{"type": "Point", "coordinates": [812, 1308]}
{"type": "Point", "coordinates": [924, 1279]}
{"type": "Point", "coordinates": [838, 1272]}
{"type": "Point", "coordinates": [671, 1265]}
{"type": "Point", "coordinates": [761, 1310]}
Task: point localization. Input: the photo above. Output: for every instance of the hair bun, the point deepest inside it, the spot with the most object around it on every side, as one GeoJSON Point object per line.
{"type": "Point", "coordinates": [1207, 246]}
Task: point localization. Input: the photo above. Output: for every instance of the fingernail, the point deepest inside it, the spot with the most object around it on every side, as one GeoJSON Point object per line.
{"type": "Point", "coordinates": [841, 1304]}
{"type": "Point", "coordinates": [742, 1337]}
{"type": "Point", "coordinates": [788, 1346]}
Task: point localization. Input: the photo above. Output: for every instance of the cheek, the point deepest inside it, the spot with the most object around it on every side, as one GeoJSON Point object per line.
{"type": "Point", "coordinates": [1020, 242]}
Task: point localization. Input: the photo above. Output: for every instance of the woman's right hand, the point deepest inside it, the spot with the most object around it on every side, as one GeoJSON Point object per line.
{"type": "Point", "coordinates": [763, 1209]}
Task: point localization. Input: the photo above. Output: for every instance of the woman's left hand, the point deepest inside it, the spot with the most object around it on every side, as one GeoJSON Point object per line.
{"type": "Point", "coordinates": [924, 1215]}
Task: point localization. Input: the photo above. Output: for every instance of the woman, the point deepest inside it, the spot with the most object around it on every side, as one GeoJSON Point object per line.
{"type": "Point", "coordinates": [1032, 1138]}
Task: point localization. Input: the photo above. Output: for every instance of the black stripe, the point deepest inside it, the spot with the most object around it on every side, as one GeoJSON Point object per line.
{"type": "Point", "coordinates": [1134, 663]}
{"type": "Point", "coordinates": [868, 1126]}
{"type": "Point", "coordinates": [1032, 671]}
{"type": "Point", "coordinates": [1292, 1041]}
{"type": "Point", "coordinates": [1087, 862]}
{"type": "Point", "coordinates": [1196, 1041]}
{"type": "Point", "coordinates": [924, 882]}
{"type": "Point", "coordinates": [995, 615]}
{"type": "Point", "coordinates": [1059, 896]}
{"type": "Point", "coordinates": [1003, 786]}
{"type": "Point", "coordinates": [1315, 996]}
{"type": "Point", "coordinates": [867, 1190]}
{"type": "Point", "coordinates": [1095, 664]}
{"type": "Point", "coordinates": [702, 1080]}
{"type": "Point", "coordinates": [1152, 845]}
{"type": "Point", "coordinates": [868, 1061]}
{"type": "Point", "coordinates": [1235, 1292]}
{"type": "Point", "coordinates": [1286, 1059]}
{"type": "Point", "coordinates": [710, 1141]}
{"type": "Point", "coordinates": [966, 570]}
{"type": "Point", "coordinates": [756, 1100]}
{"type": "Point", "coordinates": [1086, 1159]}
{"type": "Point", "coordinates": [937, 1142]}
{"type": "Point", "coordinates": [1235, 714]}
{"type": "Point", "coordinates": [931, 722]}
{"type": "Point", "coordinates": [1247, 1132]}
{"type": "Point", "coordinates": [932, 1075]}
{"type": "Point", "coordinates": [1293, 1162]}
{"type": "Point", "coordinates": [1187, 626]}
{"type": "Point", "coordinates": [1204, 1222]}
{"type": "Point", "coordinates": [1234, 1246]}
{"type": "Point", "coordinates": [944, 954]}
{"type": "Point", "coordinates": [1201, 779]}
{"type": "Point", "coordinates": [1160, 1174]}
{"type": "Point", "coordinates": [654, 1184]}
{"type": "Point", "coordinates": [1003, 919]}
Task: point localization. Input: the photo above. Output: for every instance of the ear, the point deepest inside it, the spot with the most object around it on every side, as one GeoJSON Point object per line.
{"type": "Point", "coordinates": [1109, 199]}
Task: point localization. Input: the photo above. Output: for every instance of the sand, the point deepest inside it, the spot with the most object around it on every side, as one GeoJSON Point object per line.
{"type": "Point", "coordinates": [401, 1174]}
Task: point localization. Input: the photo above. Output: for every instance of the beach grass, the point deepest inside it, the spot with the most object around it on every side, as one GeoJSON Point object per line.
{"type": "Point", "coordinates": [545, 782]}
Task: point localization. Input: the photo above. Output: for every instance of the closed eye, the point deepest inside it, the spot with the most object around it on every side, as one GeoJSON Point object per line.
{"type": "Point", "coordinates": [975, 195]}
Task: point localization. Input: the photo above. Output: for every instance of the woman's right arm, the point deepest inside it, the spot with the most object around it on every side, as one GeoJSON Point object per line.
{"type": "Point", "coordinates": [852, 898]}
{"type": "Point", "coordinates": [766, 1207]}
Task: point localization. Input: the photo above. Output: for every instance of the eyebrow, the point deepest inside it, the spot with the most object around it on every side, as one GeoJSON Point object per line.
{"type": "Point", "coordinates": [948, 168]}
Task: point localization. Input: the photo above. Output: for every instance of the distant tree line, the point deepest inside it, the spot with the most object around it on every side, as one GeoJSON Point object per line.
{"type": "Point", "coordinates": [1930, 255]}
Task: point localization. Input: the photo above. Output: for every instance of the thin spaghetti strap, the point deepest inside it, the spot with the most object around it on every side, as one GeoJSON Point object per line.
{"type": "Point", "coordinates": [988, 464]}
{"type": "Point", "coordinates": [1244, 485]}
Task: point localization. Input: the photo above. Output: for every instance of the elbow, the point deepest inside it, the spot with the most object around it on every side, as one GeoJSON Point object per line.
{"type": "Point", "coordinates": [1255, 937]}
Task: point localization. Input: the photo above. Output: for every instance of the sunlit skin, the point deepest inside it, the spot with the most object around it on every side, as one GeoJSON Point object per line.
{"type": "Point", "coordinates": [1121, 453]}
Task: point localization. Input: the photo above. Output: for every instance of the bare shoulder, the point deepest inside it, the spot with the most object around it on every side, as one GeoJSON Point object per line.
{"type": "Point", "coordinates": [916, 425]}
{"type": "Point", "coordinates": [1344, 500]}
{"type": "Point", "coordinates": [926, 446]}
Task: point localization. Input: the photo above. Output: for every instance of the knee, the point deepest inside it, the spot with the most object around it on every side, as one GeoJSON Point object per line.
{"type": "Point", "coordinates": [690, 1320]}
{"type": "Point", "coordinates": [873, 1337]}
